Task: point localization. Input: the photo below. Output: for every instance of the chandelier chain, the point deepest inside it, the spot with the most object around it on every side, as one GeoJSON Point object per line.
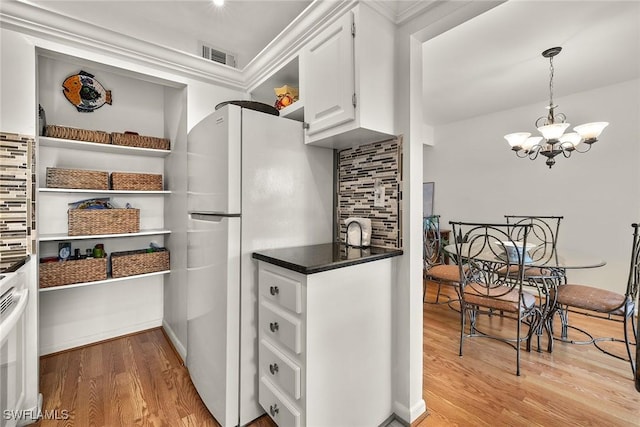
{"type": "Point", "coordinates": [551, 81]}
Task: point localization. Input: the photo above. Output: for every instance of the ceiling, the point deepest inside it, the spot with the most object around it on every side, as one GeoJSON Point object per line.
{"type": "Point", "coordinates": [240, 27]}
{"type": "Point", "coordinates": [494, 63]}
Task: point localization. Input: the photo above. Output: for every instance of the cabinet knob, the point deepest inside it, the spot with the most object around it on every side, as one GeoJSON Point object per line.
{"type": "Point", "coordinates": [273, 368]}
{"type": "Point", "coordinates": [273, 409]}
{"type": "Point", "coordinates": [274, 326]}
{"type": "Point", "coordinates": [274, 290]}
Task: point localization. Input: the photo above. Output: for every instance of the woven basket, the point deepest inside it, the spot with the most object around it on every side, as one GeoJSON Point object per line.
{"type": "Point", "coordinates": [140, 141]}
{"type": "Point", "coordinates": [130, 263]}
{"type": "Point", "coordinates": [64, 132]}
{"type": "Point", "coordinates": [77, 178]}
{"type": "Point", "coordinates": [68, 272]}
{"type": "Point", "coordinates": [103, 221]}
{"type": "Point", "coordinates": [136, 181]}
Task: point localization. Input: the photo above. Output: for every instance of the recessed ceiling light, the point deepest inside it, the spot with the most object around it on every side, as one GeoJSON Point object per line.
{"type": "Point", "coordinates": [218, 2]}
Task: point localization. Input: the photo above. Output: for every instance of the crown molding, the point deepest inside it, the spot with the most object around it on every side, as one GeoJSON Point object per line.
{"type": "Point", "coordinates": [401, 13]}
{"type": "Point", "coordinates": [414, 10]}
{"type": "Point", "coordinates": [289, 42]}
{"type": "Point", "coordinates": [39, 22]}
{"type": "Point", "coordinates": [384, 8]}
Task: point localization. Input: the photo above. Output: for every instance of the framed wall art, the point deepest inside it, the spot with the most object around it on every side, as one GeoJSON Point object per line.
{"type": "Point", "coordinates": [427, 198]}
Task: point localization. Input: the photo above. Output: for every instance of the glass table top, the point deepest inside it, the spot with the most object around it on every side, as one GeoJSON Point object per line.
{"type": "Point", "coordinates": [539, 257]}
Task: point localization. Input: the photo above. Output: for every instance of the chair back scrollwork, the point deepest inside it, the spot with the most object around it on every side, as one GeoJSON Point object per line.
{"type": "Point", "coordinates": [543, 232]}
{"type": "Point", "coordinates": [432, 241]}
{"type": "Point", "coordinates": [634, 270]}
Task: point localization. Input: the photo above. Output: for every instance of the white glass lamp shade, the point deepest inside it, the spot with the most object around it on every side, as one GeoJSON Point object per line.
{"type": "Point", "coordinates": [571, 138]}
{"type": "Point", "coordinates": [517, 139]}
{"type": "Point", "coordinates": [530, 142]}
{"type": "Point", "coordinates": [591, 131]}
{"type": "Point", "coordinates": [553, 131]}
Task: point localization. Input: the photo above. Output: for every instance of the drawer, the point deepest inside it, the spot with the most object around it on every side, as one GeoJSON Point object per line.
{"type": "Point", "coordinates": [280, 326]}
{"type": "Point", "coordinates": [279, 369]}
{"type": "Point", "coordinates": [277, 406]}
{"type": "Point", "coordinates": [281, 290]}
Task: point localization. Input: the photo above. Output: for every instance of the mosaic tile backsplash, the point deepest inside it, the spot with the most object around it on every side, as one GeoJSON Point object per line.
{"type": "Point", "coordinates": [16, 198]}
{"type": "Point", "coordinates": [358, 169]}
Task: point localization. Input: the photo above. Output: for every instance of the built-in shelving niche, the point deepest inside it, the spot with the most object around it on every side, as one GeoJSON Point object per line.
{"type": "Point", "coordinates": [80, 314]}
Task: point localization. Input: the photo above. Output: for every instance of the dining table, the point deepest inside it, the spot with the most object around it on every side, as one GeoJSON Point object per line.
{"type": "Point", "coordinates": [545, 269]}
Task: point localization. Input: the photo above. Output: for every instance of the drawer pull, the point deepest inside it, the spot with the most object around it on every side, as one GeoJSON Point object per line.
{"type": "Point", "coordinates": [273, 368]}
{"type": "Point", "coordinates": [274, 326]}
{"type": "Point", "coordinates": [274, 290]}
{"type": "Point", "coordinates": [273, 409]}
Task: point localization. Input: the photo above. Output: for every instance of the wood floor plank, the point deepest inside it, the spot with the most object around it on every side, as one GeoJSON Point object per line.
{"type": "Point", "coordinates": [137, 380]}
{"type": "Point", "coordinates": [573, 386]}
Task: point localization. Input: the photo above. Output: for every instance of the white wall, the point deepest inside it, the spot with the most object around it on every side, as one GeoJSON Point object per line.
{"type": "Point", "coordinates": [17, 84]}
{"type": "Point", "coordinates": [137, 105]}
{"type": "Point", "coordinates": [477, 177]}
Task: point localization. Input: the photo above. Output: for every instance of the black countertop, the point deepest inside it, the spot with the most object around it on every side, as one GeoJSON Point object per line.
{"type": "Point", "coordinates": [328, 256]}
{"type": "Point", "coordinates": [15, 266]}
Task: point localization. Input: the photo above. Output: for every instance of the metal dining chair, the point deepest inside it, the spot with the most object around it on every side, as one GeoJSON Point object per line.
{"type": "Point", "coordinates": [482, 251]}
{"type": "Point", "coordinates": [435, 270]}
{"type": "Point", "coordinates": [543, 233]}
{"type": "Point", "coordinates": [604, 304]}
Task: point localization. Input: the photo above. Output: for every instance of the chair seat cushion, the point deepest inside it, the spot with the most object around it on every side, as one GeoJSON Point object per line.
{"type": "Point", "coordinates": [497, 299]}
{"type": "Point", "coordinates": [446, 272]}
{"type": "Point", "coordinates": [590, 298]}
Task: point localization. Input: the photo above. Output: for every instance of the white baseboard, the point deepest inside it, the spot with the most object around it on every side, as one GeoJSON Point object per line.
{"type": "Point", "coordinates": [182, 351]}
{"type": "Point", "coordinates": [31, 415]}
{"type": "Point", "coordinates": [104, 335]}
{"type": "Point", "coordinates": [409, 414]}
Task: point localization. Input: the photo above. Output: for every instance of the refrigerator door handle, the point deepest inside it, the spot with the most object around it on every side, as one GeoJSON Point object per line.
{"type": "Point", "coordinates": [213, 216]}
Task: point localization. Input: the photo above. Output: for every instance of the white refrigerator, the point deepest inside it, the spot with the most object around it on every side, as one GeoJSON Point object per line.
{"type": "Point", "coordinates": [253, 184]}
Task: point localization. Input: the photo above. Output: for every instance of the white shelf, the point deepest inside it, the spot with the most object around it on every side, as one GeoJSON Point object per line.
{"type": "Point", "coordinates": [294, 111]}
{"type": "Point", "coordinates": [56, 237]}
{"type": "Point", "coordinates": [102, 282]}
{"type": "Point", "coordinates": [82, 190]}
{"type": "Point", "coordinates": [46, 141]}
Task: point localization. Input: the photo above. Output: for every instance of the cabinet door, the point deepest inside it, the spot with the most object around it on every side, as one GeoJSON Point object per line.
{"type": "Point", "coordinates": [330, 77]}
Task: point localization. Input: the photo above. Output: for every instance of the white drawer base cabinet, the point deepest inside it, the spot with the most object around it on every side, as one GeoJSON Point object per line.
{"type": "Point", "coordinates": [325, 345]}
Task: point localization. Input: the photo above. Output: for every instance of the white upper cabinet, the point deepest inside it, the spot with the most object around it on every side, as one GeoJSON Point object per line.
{"type": "Point", "coordinates": [347, 81]}
{"type": "Point", "coordinates": [329, 66]}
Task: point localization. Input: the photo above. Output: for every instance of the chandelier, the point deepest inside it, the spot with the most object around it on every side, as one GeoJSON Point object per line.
{"type": "Point", "coordinates": [553, 140]}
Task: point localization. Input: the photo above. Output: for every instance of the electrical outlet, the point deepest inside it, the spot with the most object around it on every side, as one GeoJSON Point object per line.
{"type": "Point", "coordinates": [378, 194]}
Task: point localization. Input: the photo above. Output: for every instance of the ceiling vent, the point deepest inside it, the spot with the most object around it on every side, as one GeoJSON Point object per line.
{"type": "Point", "coordinates": [214, 54]}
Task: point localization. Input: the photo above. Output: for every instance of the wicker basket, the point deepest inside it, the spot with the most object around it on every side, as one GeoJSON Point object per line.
{"type": "Point", "coordinates": [64, 132]}
{"type": "Point", "coordinates": [140, 141]}
{"type": "Point", "coordinates": [77, 178]}
{"type": "Point", "coordinates": [68, 272]}
{"type": "Point", "coordinates": [136, 181]}
{"type": "Point", "coordinates": [130, 263]}
{"type": "Point", "coordinates": [103, 221]}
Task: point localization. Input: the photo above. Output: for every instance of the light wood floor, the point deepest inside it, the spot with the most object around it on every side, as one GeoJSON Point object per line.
{"type": "Point", "coordinates": [576, 385]}
{"type": "Point", "coordinates": [139, 380]}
